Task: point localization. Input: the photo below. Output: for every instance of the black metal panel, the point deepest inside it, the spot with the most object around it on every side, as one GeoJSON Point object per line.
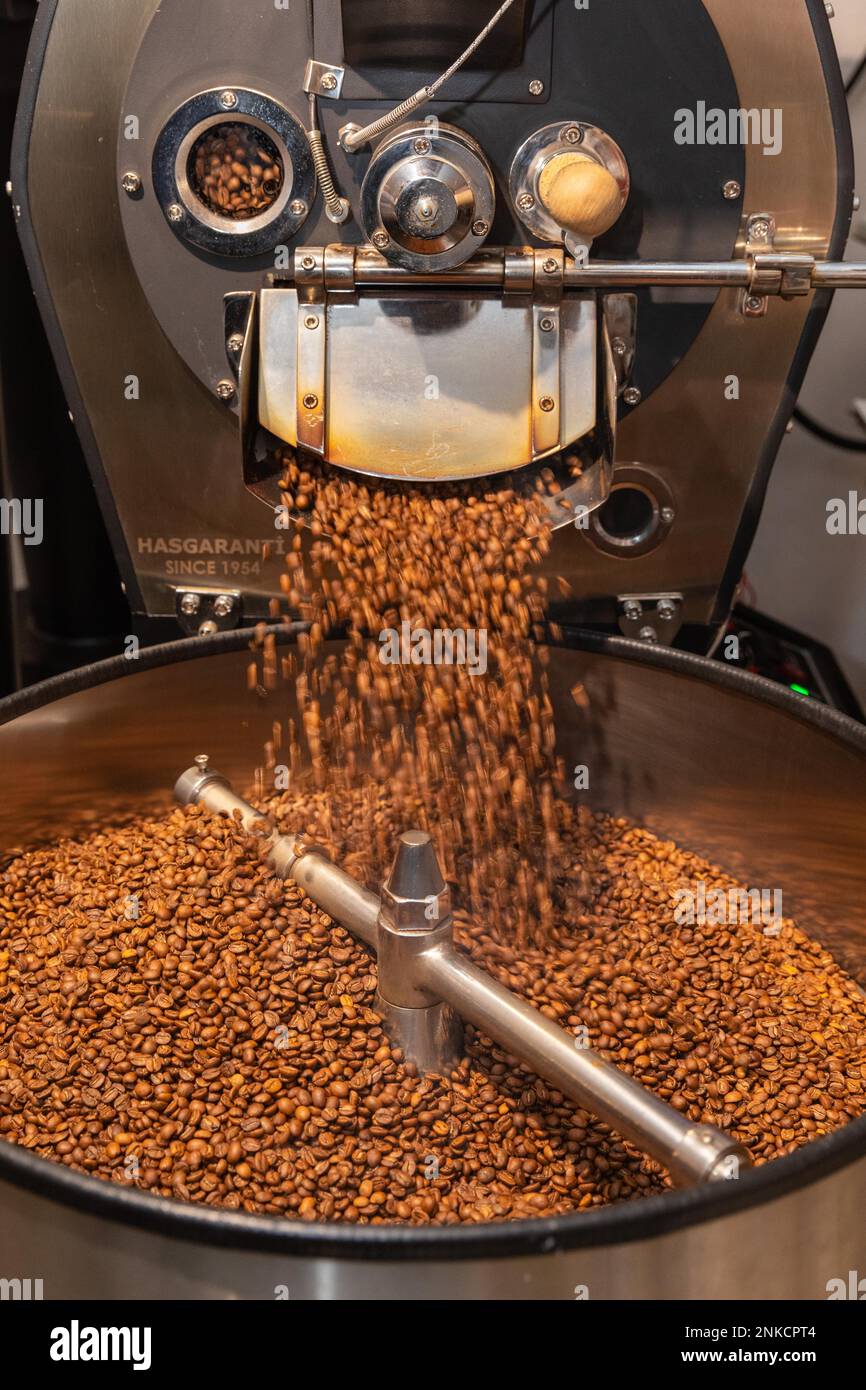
{"type": "Point", "coordinates": [399, 51]}
{"type": "Point", "coordinates": [431, 33]}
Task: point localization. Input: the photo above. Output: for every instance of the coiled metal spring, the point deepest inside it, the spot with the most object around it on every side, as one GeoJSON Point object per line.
{"type": "Point", "coordinates": [336, 207]}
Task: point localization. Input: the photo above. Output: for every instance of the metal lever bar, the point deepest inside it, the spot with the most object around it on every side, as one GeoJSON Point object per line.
{"type": "Point", "coordinates": [434, 970]}
{"type": "Point", "coordinates": [788, 274]}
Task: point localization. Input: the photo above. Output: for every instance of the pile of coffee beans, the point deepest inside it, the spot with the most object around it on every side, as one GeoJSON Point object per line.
{"type": "Point", "coordinates": [236, 171]}
{"type": "Point", "coordinates": [174, 1019]}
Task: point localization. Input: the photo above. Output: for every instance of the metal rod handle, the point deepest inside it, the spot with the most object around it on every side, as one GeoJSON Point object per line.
{"type": "Point", "coordinates": [487, 271]}
{"type": "Point", "coordinates": [690, 1152]}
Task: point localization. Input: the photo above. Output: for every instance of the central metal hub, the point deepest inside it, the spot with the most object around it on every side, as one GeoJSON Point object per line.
{"type": "Point", "coordinates": [415, 916]}
{"type": "Point", "coordinates": [428, 197]}
{"type": "Point", "coordinates": [427, 208]}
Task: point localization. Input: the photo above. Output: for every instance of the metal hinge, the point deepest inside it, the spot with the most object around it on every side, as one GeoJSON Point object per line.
{"type": "Point", "coordinates": [784, 273]}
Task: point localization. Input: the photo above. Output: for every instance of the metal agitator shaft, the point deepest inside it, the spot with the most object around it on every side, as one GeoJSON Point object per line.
{"type": "Point", "coordinates": [426, 986]}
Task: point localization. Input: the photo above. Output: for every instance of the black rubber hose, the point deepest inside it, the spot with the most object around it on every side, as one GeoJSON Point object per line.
{"type": "Point", "coordinates": [839, 441]}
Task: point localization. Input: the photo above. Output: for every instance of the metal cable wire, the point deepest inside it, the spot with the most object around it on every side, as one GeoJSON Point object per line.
{"type": "Point", "coordinates": [355, 139]}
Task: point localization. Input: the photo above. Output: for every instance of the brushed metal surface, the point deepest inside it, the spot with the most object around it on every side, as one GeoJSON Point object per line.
{"type": "Point", "coordinates": [789, 1248]}
{"type": "Point", "coordinates": [172, 456]}
{"type": "Point", "coordinates": [382, 356]}
{"type": "Point", "coordinates": [704, 446]}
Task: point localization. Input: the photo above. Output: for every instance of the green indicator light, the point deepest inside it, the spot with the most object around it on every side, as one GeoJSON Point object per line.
{"type": "Point", "coordinates": [800, 690]}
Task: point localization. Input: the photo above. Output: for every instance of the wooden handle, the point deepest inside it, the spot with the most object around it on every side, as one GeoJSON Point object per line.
{"type": "Point", "coordinates": [580, 194]}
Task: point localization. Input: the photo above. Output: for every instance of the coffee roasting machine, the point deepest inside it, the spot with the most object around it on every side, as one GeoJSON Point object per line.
{"type": "Point", "coordinates": [602, 241]}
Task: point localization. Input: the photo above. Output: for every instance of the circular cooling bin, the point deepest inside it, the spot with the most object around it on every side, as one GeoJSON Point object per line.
{"type": "Point", "coordinates": [763, 782]}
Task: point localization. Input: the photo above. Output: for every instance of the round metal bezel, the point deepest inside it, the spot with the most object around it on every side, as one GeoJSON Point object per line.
{"type": "Point", "coordinates": [535, 153]}
{"type": "Point", "coordinates": [641, 479]}
{"type": "Point", "coordinates": [205, 229]}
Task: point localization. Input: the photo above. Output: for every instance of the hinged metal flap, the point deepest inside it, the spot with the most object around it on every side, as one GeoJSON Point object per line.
{"type": "Point", "coordinates": [428, 384]}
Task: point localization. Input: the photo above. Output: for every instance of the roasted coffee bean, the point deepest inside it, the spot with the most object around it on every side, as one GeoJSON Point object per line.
{"type": "Point", "coordinates": [235, 171]}
{"type": "Point", "coordinates": [468, 722]}
{"type": "Point", "coordinates": [323, 1121]}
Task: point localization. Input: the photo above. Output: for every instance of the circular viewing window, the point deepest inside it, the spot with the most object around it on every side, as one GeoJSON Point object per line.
{"type": "Point", "coordinates": [236, 171]}
{"type": "Point", "coordinates": [628, 516]}
{"type": "Point", "coordinates": [233, 172]}
{"type": "Point", "coordinates": [637, 515]}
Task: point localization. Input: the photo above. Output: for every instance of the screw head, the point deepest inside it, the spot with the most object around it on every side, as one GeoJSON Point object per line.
{"type": "Point", "coordinates": [666, 609]}
{"type": "Point", "coordinates": [225, 390]}
{"type": "Point", "coordinates": [536, 87]}
{"type": "Point", "coordinates": [131, 183]}
{"type": "Point", "coordinates": [856, 203]}
{"type": "Point", "coordinates": [731, 190]}
{"type": "Point", "coordinates": [201, 760]}
{"type": "Point", "coordinates": [308, 262]}
{"type": "Point", "coordinates": [754, 303]}
{"type": "Point", "coordinates": [547, 325]}
{"type": "Point", "coordinates": [648, 634]}
{"type": "Point", "coordinates": [174, 212]}
{"type": "Point", "coordinates": [632, 608]}
{"type": "Point", "coordinates": [480, 227]}
{"type": "Point", "coordinates": [329, 82]}
{"type": "Point", "coordinates": [190, 604]}
{"type": "Point", "coordinates": [667, 515]}
{"type": "Point", "coordinates": [831, 13]}
{"type": "Point", "coordinates": [572, 135]}
{"type": "Point", "coordinates": [526, 202]}
{"type": "Point", "coordinates": [547, 404]}
{"type": "Point", "coordinates": [632, 396]}
{"type": "Point", "coordinates": [381, 240]}
{"type": "Point", "coordinates": [311, 400]}
{"type": "Point", "coordinates": [228, 100]}
{"type": "Point", "coordinates": [208, 628]}
{"type": "Point", "coordinates": [298, 208]}
{"type": "Point", "coordinates": [223, 605]}
{"type": "Point", "coordinates": [235, 342]}
{"type": "Point", "coordinates": [759, 230]}
{"type": "Point", "coordinates": [421, 145]}
{"type": "Point", "coordinates": [619, 347]}
{"type": "Point", "coordinates": [311, 321]}
{"type": "Point", "coordinates": [550, 266]}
